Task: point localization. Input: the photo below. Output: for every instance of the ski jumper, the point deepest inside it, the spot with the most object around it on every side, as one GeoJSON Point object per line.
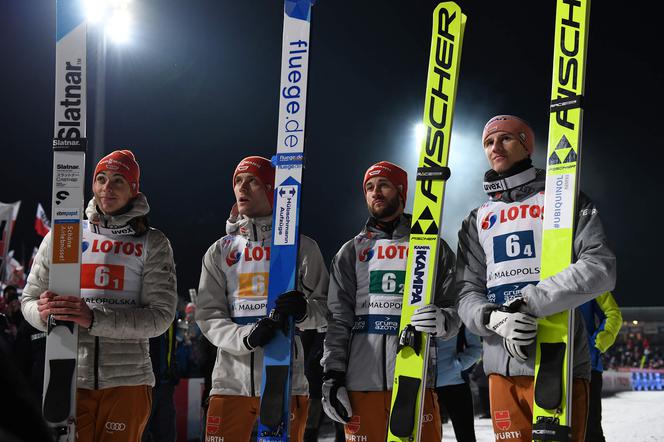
{"type": "Point", "coordinates": [128, 280]}
{"type": "Point", "coordinates": [232, 296]}
{"type": "Point", "coordinates": [498, 260]}
{"type": "Point", "coordinates": [364, 299]}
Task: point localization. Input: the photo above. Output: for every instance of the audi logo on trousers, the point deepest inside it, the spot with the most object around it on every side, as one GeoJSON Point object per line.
{"type": "Point", "coordinates": [115, 426]}
{"type": "Point", "coordinates": [427, 418]}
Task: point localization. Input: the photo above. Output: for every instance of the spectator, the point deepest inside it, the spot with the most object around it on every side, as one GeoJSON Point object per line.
{"type": "Point", "coordinates": [161, 425]}
{"type": "Point", "coordinates": [482, 381]}
{"type": "Point", "coordinates": [455, 359]}
{"type": "Point", "coordinates": [603, 320]}
{"type": "Point", "coordinates": [312, 343]}
{"type": "Point", "coordinates": [13, 311]}
{"type": "Point", "coordinates": [29, 356]}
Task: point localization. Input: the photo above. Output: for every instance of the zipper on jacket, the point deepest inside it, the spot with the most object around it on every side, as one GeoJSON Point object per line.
{"type": "Point", "coordinates": [251, 373]}
{"type": "Point", "coordinates": [253, 226]}
{"type": "Point", "coordinates": [96, 375]}
{"type": "Point", "coordinates": [384, 362]}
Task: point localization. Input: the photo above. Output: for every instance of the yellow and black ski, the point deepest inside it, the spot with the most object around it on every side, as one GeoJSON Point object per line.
{"type": "Point", "coordinates": [410, 370]}
{"type": "Point", "coordinates": [552, 411]}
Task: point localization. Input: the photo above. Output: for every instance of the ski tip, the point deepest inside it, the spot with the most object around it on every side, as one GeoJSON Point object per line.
{"type": "Point", "coordinates": [298, 9]}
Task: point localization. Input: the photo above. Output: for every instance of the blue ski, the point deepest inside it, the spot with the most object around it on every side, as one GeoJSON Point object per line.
{"type": "Point", "coordinates": [274, 418]}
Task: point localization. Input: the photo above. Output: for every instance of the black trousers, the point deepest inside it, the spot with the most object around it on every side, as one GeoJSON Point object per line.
{"type": "Point", "coordinates": [161, 425]}
{"type": "Point", "coordinates": [594, 431]}
{"type": "Point", "coordinates": [457, 401]}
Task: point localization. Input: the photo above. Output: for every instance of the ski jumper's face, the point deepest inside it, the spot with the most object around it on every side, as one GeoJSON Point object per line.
{"type": "Point", "coordinates": [250, 196]}
{"type": "Point", "coordinates": [383, 200]}
{"type": "Point", "coordinates": [112, 192]}
{"type": "Point", "coordinates": [503, 150]}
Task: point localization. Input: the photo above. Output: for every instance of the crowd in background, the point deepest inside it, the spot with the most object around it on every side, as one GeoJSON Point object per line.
{"type": "Point", "coordinates": [183, 352]}
{"type": "Point", "coordinates": [634, 351]}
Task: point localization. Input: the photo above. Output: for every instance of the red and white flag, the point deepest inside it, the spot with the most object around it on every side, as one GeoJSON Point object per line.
{"type": "Point", "coordinates": [8, 213]}
{"type": "Point", "coordinates": [14, 272]}
{"type": "Point", "coordinates": [42, 224]}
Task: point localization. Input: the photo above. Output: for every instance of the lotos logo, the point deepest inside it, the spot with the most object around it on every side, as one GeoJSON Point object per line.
{"type": "Point", "coordinates": [117, 247]}
{"type": "Point", "coordinates": [84, 246]}
{"type": "Point", "coordinates": [213, 424]}
{"type": "Point", "coordinates": [353, 426]}
{"type": "Point", "coordinates": [502, 419]}
{"type": "Point", "coordinates": [115, 426]}
{"type": "Point", "coordinates": [366, 254]}
{"type": "Point", "coordinates": [489, 221]}
{"type": "Point", "coordinates": [256, 253]}
{"type": "Point", "coordinates": [233, 257]}
{"type": "Point", "coordinates": [520, 212]}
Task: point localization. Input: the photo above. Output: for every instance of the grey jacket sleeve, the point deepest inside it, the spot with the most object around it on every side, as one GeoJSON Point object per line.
{"type": "Point", "coordinates": [314, 281]}
{"type": "Point", "coordinates": [36, 284]}
{"type": "Point", "coordinates": [444, 295]}
{"type": "Point", "coordinates": [341, 305]}
{"type": "Point", "coordinates": [471, 278]}
{"type": "Point", "coordinates": [212, 310]}
{"type": "Point", "coordinates": [158, 298]}
{"type": "Point", "coordinates": [592, 273]}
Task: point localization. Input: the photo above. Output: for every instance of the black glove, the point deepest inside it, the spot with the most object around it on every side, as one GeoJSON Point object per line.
{"type": "Point", "coordinates": [335, 397]}
{"type": "Point", "coordinates": [293, 304]}
{"type": "Point", "coordinates": [261, 333]}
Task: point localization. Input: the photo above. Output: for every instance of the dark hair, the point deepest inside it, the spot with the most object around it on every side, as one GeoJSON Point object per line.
{"type": "Point", "coordinates": [9, 287]}
{"type": "Point", "coordinates": [12, 297]}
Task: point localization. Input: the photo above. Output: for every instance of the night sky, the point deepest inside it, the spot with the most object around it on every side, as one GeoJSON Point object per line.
{"type": "Point", "coordinates": [196, 90]}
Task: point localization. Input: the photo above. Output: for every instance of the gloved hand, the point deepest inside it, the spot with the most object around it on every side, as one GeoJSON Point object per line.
{"type": "Point", "coordinates": [292, 303]}
{"type": "Point", "coordinates": [515, 350]}
{"type": "Point", "coordinates": [261, 333]}
{"type": "Point", "coordinates": [603, 340]}
{"type": "Point", "coordinates": [429, 319]}
{"type": "Point", "coordinates": [521, 328]}
{"type": "Point", "coordinates": [335, 397]}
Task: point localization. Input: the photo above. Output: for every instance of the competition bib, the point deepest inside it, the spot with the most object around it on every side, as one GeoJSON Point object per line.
{"type": "Point", "coordinates": [246, 265]}
{"type": "Point", "coordinates": [111, 268]}
{"type": "Point", "coordinates": [380, 269]}
{"type": "Point", "coordinates": [511, 236]}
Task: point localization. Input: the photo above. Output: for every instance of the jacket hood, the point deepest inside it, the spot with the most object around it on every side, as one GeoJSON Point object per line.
{"type": "Point", "coordinates": [138, 207]}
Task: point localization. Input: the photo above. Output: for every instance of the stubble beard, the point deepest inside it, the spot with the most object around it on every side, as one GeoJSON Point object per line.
{"type": "Point", "coordinates": [389, 209]}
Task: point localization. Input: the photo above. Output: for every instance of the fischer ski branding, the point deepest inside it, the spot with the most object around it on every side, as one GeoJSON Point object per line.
{"type": "Point", "coordinates": [274, 417]}
{"type": "Point", "coordinates": [69, 146]}
{"type": "Point", "coordinates": [413, 349]}
{"type": "Point", "coordinates": [552, 410]}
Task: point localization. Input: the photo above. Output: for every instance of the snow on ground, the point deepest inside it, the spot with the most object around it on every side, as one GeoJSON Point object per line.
{"type": "Point", "coordinates": [631, 416]}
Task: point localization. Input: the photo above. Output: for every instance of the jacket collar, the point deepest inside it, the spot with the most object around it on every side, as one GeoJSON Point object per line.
{"type": "Point", "coordinates": [523, 191]}
{"type": "Point", "coordinates": [138, 207]}
{"type": "Point", "coordinates": [400, 229]}
{"type": "Point", "coordinates": [254, 229]}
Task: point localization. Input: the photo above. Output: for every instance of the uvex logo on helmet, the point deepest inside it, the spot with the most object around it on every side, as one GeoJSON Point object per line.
{"type": "Point", "coordinates": [366, 254]}
{"type": "Point", "coordinates": [233, 257]}
{"type": "Point", "coordinates": [489, 221]}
